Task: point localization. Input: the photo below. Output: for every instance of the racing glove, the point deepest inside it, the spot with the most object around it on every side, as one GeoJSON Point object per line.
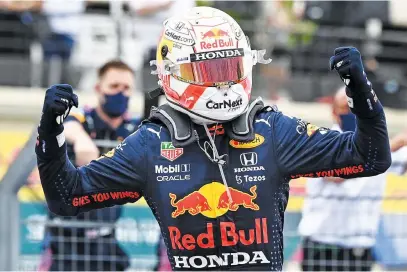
{"type": "Point", "coordinates": [362, 100]}
{"type": "Point", "coordinates": [58, 101]}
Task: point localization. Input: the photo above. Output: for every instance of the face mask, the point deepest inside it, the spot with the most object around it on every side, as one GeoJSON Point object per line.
{"type": "Point", "coordinates": [348, 122]}
{"type": "Point", "coordinates": [115, 105]}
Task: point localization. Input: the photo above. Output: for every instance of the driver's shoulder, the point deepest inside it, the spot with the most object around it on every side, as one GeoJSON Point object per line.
{"type": "Point", "coordinates": [150, 132]}
{"type": "Point", "coordinates": [266, 116]}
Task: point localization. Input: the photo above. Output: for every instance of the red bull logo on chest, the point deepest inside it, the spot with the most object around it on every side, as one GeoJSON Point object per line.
{"type": "Point", "coordinates": [212, 201]}
{"type": "Point", "coordinates": [230, 235]}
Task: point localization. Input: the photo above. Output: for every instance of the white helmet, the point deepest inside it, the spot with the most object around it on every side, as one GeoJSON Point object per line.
{"type": "Point", "coordinates": [204, 64]}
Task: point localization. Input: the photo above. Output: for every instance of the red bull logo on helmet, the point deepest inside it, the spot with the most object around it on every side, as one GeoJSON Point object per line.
{"type": "Point", "coordinates": [212, 201]}
{"type": "Point", "coordinates": [216, 38]}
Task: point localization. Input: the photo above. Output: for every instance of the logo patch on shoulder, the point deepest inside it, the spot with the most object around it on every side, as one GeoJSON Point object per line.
{"type": "Point", "coordinates": [311, 129]}
{"type": "Point", "coordinates": [258, 140]}
{"type": "Point", "coordinates": [170, 152]}
{"type": "Point", "coordinates": [107, 155]}
{"type": "Point", "coordinates": [110, 153]}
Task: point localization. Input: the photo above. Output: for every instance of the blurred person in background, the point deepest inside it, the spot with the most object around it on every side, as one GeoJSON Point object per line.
{"type": "Point", "coordinates": [340, 217]}
{"type": "Point", "coordinates": [21, 6]}
{"type": "Point", "coordinates": [64, 22]}
{"type": "Point", "coordinates": [16, 33]}
{"type": "Point", "coordinates": [64, 18]}
{"type": "Point", "coordinates": [96, 248]}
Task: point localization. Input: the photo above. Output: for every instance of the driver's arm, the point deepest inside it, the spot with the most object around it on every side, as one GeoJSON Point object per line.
{"type": "Point", "coordinates": [305, 150]}
{"type": "Point", "coordinates": [115, 178]}
{"type": "Point", "coordinates": [302, 149]}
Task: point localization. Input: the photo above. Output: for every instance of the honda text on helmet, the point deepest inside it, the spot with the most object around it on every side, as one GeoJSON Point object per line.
{"type": "Point", "coordinates": [204, 64]}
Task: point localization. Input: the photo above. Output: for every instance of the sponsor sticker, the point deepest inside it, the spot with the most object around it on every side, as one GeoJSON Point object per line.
{"type": "Point", "coordinates": [102, 197]}
{"type": "Point", "coordinates": [179, 26]}
{"type": "Point", "coordinates": [170, 169]}
{"type": "Point", "coordinates": [218, 43]}
{"type": "Point", "coordinates": [212, 200]}
{"type": "Point", "coordinates": [248, 159]}
{"type": "Point", "coordinates": [311, 129]}
{"type": "Point", "coordinates": [301, 126]}
{"type": "Point", "coordinates": [179, 37]}
{"type": "Point", "coordinates": [226, 259]}
{"type": "Point", "coordinates": [258, 140]}
{"type": "Point", "coordinates": [177, 172]}
{"type": "Point", "coordinates": [214, 33]}
{"type": "Point", "coordinates": [220, 54]}
{"type": "Point", "coordinates": [178, 46]}
{"type": "Point", "coordinates": [110, 153]}
{"type": "Point", "coordinates": [249, 178]}
{"type": "Point", "coordinates": [182, 60]}
{"type": "Point", "coordinates": [338, 172]}
{"type": "Point", "coordinates": [226, 104]}
{"type": "Point", "coordinates": [249, 162]}
{"type": "Point", "coordinates": [170, 152]}
{"type": "Point", "coordinates": [216, 38]}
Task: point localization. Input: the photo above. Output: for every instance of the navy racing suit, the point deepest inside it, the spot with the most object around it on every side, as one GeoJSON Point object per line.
{"type": "Point", "coordinates": [201, 226]}
{"type": "Point", "coordinates": [92, 248]}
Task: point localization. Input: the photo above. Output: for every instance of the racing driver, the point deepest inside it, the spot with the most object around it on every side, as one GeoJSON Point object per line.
{"type": "Point", "coordinates": [214, 163]}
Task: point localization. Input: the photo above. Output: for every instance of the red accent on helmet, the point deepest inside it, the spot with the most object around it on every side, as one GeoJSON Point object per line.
{"type": "Point", "coordinates": [247, 85]}
{"type": "Point", "coordinates": [170, 92]}
{"type": "Point", "coordinates": [192, 91]}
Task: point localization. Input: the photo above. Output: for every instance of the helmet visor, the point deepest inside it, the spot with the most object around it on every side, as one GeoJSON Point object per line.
{"type": "Point", "coordinates": [211, 69]}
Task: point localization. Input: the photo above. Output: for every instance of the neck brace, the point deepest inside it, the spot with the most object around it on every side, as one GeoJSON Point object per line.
{"type": "Point", "coordinates": [182, 130]}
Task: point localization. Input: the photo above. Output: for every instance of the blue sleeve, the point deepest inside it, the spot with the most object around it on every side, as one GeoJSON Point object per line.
{"type": "Point", "coordinates": [303, 149]}
{"type": "Point", "coordinates": [116, 178]}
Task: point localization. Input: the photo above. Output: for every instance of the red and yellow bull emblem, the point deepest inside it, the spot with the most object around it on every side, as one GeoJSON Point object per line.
{"type": "Point", "coordinates": [311, 129]}
{"type": "Point", "coordinates": [215, 33]}
{"type": "Point", "coordinates": [216, 38]}
{"type": "Point", "coordinates": [110, 153]}
{"type": "Point", "coordinates": [212, 201]}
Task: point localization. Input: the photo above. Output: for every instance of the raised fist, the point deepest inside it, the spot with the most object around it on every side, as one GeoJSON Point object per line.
{"type": "Point", "coordinates": [58, 102]}
{"type": "Point", "coordinates": [348, 63]}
